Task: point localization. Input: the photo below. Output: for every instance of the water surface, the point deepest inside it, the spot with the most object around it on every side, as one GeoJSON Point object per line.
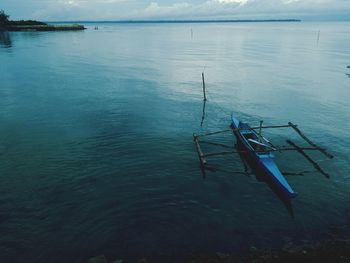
{"type": "Point", "coordinates": [96, 150]}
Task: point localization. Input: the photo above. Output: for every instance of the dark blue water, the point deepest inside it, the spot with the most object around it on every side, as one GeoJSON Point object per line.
{"type": "Point", "coordinates": [96, 150]}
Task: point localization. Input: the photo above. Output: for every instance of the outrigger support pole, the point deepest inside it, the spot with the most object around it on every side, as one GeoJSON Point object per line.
{"type": "Point", "coordinates": [218, 144]}
{"type": "Point", "coordinates": [309, 141]}
{"type": "Point", "coordinates": [235, 130]}
{"type": "Point", "coordinates": [301, 150]}
{"type": "Point", "coordinates": [223, 153]}
{"type": "Point", "coordinates": [269, 127]}
{"type": "Point", "coordinates": [210, 133]}
{"type": "Point", "coordinates": [307, 157]}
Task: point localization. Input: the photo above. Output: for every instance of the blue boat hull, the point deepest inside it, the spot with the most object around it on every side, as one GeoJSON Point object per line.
{"type": "Point", "coordinates": [262, 161]}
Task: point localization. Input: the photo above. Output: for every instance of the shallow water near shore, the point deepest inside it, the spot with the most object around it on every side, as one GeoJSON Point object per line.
{"type": "Point", "coordinates": [96, 149]}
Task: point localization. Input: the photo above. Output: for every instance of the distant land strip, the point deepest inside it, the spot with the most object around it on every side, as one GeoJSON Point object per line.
{"type": "Point", "coordinates": [44, 28]}
{"type": "Point", "coordinates": [32, 25]}
{"type": "Point", "coordinates": [184, 21]}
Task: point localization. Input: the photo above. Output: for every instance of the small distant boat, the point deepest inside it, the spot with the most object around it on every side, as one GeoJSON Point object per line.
{"type": "Point", "coordinates": [258, 151]}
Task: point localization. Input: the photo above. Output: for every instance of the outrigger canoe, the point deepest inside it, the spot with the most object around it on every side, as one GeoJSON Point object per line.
{"type": "Point", "coordinates": [258, 151]}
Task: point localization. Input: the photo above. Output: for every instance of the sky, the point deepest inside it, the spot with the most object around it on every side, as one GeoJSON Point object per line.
{"type": "Point", "coordinates": [75, 10]}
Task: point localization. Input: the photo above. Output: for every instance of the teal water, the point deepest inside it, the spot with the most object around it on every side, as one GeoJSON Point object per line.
{"type": "Point", "coordinates": [96, 150]}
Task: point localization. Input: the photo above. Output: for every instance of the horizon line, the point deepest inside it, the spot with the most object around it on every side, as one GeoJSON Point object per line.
{"type": "Point", "coordinates": [131, 21]}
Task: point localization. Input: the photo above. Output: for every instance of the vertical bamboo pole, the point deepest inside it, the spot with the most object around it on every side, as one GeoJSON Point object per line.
{"type": "Point", "coordinates": [205, 97]}
{"type": "Point", "coordinates": [259, 136]}
{"type": "Point", "coordinates": [260, 131]}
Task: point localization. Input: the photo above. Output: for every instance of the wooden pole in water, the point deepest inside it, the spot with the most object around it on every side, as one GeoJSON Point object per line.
{"type": "Point", "coordinates": [212, 133]}
{"type": "Point", "coordinates": [203, 112]}
{"type": "Point", "coordinates": [253, 128]}
{"type": "Point", "coordinates": [200, 152]}
{"type": "Point", "coordinates": [205, 97]}
{"type": "Point", "coordinates": [223, 153]}
{"type": "Point", "coordinates": [271, 127]}
{"type": "Point", "coordinates": [260, 131]}
{"type": "Point", "coordinates": [202, 160]}
{"type": "Point", "coordinates": [218, 144]}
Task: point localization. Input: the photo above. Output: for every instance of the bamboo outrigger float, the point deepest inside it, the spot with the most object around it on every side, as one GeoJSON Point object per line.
{"type": "Point", "coordinates": [257, 151]}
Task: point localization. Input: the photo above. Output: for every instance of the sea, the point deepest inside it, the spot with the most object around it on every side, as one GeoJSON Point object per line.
{"type": "Point", "coordinates": [96, 139]}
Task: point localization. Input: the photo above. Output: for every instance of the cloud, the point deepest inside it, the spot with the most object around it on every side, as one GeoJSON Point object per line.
{"type": "Point", "coordinates": [188, 10]}
{"type": "Point", "coordinates": [237, 9]}
{"type": "Point", "coordinates": [242, 2]}
{"type": "Point", "coordinates": [154, 10]}
{"type": "Point", "coordinates": [172, 9]}
{"type": "Point", "coordinates": [61, 10]}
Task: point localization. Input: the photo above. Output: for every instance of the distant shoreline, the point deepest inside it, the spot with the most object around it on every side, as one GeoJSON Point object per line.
{"type": "Point", "coordinates": [180, 21]}
{"type": "Point", "coordinates": [32, 25]}
{"type": "Point", "coordinates": [44, 27]}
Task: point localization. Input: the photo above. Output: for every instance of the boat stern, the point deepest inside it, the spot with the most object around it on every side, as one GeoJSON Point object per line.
{"type": "Point", "coordinates": [276, 176]}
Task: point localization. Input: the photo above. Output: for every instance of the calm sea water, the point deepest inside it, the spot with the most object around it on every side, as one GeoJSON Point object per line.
{"type": "Point", "coordinates": [96, 150]}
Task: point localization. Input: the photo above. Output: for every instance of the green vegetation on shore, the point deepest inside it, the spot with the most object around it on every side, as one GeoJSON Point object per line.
{"type": "Point", "coordinates": [44, 27]}
{"type": "Point", "coordinates": [32, 25]}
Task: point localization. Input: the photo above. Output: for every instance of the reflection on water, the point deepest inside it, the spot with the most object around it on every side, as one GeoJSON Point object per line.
{"type": "Point", "coordinates": [96, 131]}
{"type": "Point", "coordinates": [5, 39]}
{"type": "Point", "coordinates": [203, 112]}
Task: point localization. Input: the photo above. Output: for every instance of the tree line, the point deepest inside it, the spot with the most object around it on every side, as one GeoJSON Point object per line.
{"type": "Point", "coordinates": [5, 21]}
{"type": "Point", "coordinates": [4, 18]}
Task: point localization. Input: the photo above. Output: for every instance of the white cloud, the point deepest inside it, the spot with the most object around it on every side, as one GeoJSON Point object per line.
{"type": "Point", "coordinates": [242, 2]}
{"type": "Point", "coordinates": [291, 1]}
{"type": "Point", "coordinates": [72, 3]}
{"type": "Point", "coordinates": [154, 10]}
